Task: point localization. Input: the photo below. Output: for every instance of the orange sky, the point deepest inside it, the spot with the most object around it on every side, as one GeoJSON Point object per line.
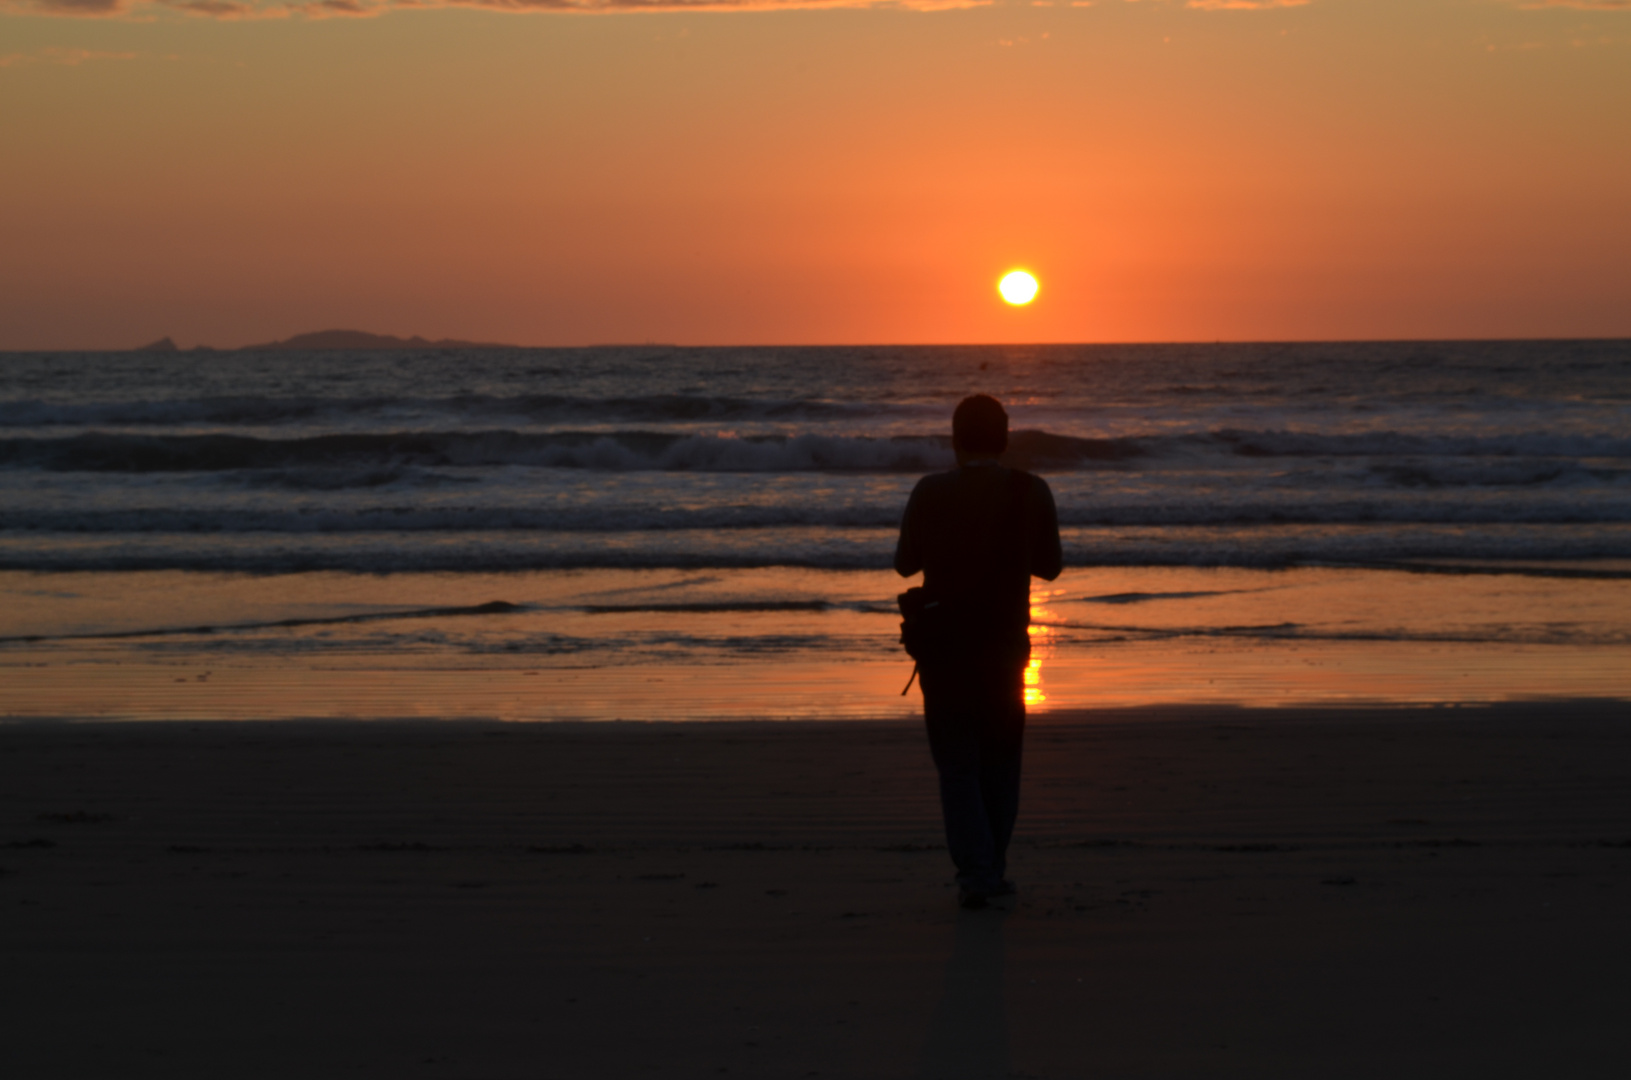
{"type": "Point", "coordinates": [227, 173]}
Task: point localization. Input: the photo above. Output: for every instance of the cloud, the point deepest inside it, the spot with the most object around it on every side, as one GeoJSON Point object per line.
{"type": "Point", "coordinates": [225, 9]}
{"type": "Point", "coordinates": [72, 8]}
{"type": "Point", "coordinates": [337, 9]}
{"type": "Point", "coordinates": [311, 9]}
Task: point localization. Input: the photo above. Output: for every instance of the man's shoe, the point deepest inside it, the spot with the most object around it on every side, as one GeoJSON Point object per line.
{"type": "Point", "coordinates": [1002, 888]}
{"type": "Point", "coordinates": [971, 899]}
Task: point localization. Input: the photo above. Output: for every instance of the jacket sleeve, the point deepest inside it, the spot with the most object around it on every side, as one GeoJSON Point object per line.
{"type": "Point", "coordinates": [1047, 557]}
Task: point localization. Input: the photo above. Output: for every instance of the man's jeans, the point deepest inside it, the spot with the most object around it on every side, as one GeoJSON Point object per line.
{"type": "Point", "coordinates": [975, 714]}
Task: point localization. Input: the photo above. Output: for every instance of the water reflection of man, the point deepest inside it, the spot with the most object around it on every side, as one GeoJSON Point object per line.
{"type": "Point", "coordinates": [978, 534]}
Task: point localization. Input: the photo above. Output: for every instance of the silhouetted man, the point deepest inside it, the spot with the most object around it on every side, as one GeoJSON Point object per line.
{"type": "Point", "coordinates": [979, 533]}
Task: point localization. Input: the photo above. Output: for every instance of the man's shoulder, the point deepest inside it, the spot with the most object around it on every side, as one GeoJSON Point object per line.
{"type": "Point", "coordinates": [935, 482]}
{"type": "Point", "coordinates": [953, 480]}
{"type": "Point", "coordinates": [1036, 482]}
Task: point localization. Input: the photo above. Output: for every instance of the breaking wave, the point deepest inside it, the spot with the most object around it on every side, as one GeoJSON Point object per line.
{"type": "Point", "coordinates": [232, 411]}
{"type": "Point", "coordinates": [1452, 549]}
{"type": "Point", "coordinates": [619, 451]}
{"type": "Point", "coordinates": [1412, 459]}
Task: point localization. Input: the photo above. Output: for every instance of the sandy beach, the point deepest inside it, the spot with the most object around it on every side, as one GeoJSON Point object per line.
{"type": "Point", "coordinates": [1203, 892]}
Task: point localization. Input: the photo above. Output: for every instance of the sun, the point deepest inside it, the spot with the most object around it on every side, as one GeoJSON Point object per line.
{"type": "Point", "coordinates": [1017, 287]}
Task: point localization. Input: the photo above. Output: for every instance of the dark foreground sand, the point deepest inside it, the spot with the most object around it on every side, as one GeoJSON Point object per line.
{"type": "Point", "coordinates": [1214, 893]}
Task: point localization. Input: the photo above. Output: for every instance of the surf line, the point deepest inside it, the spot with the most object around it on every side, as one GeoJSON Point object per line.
{"type": "Point", "coordinates": [492, 607]}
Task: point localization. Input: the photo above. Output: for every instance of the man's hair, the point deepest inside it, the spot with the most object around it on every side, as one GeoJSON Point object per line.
{"type": "Point", "coordinates": [979, 426]}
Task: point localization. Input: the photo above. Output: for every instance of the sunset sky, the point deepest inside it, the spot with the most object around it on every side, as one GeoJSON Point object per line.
{"type": "Point", "coordinates": [759, 172]}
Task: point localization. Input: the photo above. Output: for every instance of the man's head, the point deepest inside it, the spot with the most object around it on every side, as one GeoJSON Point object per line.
{"type": "Point", "coordinates": [979, 427]}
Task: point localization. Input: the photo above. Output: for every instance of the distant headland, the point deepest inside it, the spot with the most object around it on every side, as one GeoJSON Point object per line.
{"type": "Point", "coordinates": [360, 339]}
{"type": "Point", "coordinates": [337, 340]}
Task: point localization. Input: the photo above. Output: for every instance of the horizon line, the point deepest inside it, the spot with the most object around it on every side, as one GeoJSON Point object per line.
{"type": "Point", "coordinates": [500, 346]}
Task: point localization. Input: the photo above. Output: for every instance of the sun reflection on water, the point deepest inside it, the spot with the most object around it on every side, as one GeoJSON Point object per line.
{"type": "Point", "coordinates": [1042, 643]}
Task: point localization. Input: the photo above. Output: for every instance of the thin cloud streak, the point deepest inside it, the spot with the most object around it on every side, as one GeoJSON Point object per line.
{"type": "Point", "coordinates": [1244, 5]}
{"type": "Point", "coordinates": [1578, 5]}
{"type": "Point", "coordinates": [1232, 5]}
{"type": "Point", "coordinates": [610, 6]}
{"type": "Point", "coordinates": [234, 10]}
{"type": "Point", "coordinates": [63, 57]}
{"type": "Point", "coordinates": [238, 10]}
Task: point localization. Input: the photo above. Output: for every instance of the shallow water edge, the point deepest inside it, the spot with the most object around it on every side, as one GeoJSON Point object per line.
{"type": "Point", "coordinates": [783, 644]}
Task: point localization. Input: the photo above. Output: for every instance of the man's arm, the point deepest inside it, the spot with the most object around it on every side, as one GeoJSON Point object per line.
{"type": "Point", "coordinates": [908, 558]}
{"type": "Point", "coordinates": [1047, 557]}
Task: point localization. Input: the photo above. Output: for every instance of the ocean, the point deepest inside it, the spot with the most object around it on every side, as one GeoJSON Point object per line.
{"type": "Point", "coordinates": [652, 532]}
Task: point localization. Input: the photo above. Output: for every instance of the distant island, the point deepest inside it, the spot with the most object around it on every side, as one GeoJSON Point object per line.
{"type": "Point", "coordinates": [359, 339]}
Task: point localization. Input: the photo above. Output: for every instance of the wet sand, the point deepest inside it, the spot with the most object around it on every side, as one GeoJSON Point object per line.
{"type": "Point", "coordinates": [1203, 892]}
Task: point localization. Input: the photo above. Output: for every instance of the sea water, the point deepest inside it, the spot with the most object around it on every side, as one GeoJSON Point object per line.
{"type": "Point", "coordinates": [647, 532]}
